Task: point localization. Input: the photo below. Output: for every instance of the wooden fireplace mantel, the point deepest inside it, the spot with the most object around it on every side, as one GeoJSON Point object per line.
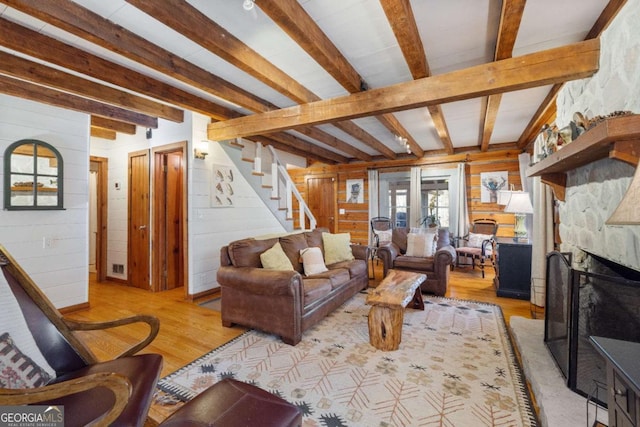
{"type": "Point", "coordinates": [615, 137]}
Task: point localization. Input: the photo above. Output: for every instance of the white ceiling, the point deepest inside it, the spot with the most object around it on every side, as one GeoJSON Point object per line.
{"type": "Point", "coordinates": [456, 34]}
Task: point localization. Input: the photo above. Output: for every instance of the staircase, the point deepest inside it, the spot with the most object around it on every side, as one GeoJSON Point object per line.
{"type": "Point", "coordinates": [268, 176]}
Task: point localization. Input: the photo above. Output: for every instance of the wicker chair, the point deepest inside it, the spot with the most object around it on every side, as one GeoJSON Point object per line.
{"type": "Point", "coordinates": [478, 245]}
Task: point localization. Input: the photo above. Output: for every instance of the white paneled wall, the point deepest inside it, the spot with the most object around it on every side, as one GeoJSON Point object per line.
{"type": "Point", "coordinates": [210, 228]}
{"type": "Point", "coordinates": [61, 269]}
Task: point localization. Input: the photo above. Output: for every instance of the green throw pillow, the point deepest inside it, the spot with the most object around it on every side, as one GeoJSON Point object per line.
{"type": "Point", "coordinates": [275, 259]}
{"type": "Point", "coordinates": [337, 247]}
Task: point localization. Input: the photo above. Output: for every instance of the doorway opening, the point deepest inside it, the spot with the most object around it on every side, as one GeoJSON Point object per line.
{"type": "Point", "coordinates": [98, 178]}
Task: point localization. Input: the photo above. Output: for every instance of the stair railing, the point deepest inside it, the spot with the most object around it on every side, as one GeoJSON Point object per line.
{"type": "Point", "coordinates": [279, 172]}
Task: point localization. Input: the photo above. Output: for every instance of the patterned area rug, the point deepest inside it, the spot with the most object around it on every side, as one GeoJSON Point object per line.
{"type": "Point", "coordinates": [455, 367]}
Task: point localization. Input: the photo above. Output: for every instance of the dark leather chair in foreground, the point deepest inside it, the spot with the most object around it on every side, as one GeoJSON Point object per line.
{"type": "Point", "coordinates": [117, 392]}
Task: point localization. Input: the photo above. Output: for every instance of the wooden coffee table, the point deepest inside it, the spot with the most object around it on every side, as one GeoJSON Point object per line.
{"type": "Point", "coordinates": [388, 300]}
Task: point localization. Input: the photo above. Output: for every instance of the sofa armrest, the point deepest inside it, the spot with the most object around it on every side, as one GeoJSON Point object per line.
{"type": "Point", "coordinates": [260, 281]}
{"type": "Point", "coordinates": [361, 252]}
{"type": "Point", "coordinates": [444, 257]}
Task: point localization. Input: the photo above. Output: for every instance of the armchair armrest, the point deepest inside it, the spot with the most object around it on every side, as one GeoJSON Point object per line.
{"type": "Point", "coordinates": [361, 252]}
{"type": "Point", "coordinates": [152, 321]}
{"type": "Point", "coordinates": [260, 281]}
{"type": "Point", "coordinates": [444, 257]}
{"type": "Point", "coordinates": [119, 385]}
{"type": "Point", "coordinates": [388, 253]}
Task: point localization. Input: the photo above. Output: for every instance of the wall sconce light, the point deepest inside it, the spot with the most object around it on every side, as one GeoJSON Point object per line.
{"type": "Point", "coordinates": [201, 150]}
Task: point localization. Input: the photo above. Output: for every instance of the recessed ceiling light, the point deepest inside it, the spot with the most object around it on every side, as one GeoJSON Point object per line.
{"type": "Point", "coordinates": [248, 4]}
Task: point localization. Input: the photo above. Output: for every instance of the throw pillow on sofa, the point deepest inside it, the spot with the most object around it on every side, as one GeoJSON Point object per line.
{"type": "Point", "coordinates": [420, 245]}
{"type": "Point", "coordinates": [275, 259]}
{"type": "Point", "coordinates": [312, 261]}
{"type": "Point", "coordinates": [337, 247]}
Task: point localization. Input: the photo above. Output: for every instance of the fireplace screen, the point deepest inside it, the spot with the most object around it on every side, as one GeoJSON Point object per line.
{"type": "Point", "coordinates": [581, 304]}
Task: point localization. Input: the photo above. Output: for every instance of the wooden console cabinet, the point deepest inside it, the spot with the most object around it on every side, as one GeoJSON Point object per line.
{"type": "Point", "coordinates": [513, 269]}
{"type": "Point", "coordinates": [623, 380]}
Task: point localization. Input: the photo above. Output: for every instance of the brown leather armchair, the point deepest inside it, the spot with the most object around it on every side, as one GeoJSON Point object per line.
{"type": "Point", "coordinates": [117, 392]}
{"type": "Point", "coordinates": [436, 267]}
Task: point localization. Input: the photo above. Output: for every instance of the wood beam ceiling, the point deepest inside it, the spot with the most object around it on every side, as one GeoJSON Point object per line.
{"type": "Point", "coordinates": [34, 72]}
{"type": "Point", "coordinates": [574, 61]}
{"type": "Point", "coordinates": [510, 18]}
{"type": "Point", "coordinates": [84, 23]}
{"type": "Point", "coordinates": [187, 20]}
{"type": "Point", "coordinates": [403, 23]}
{"type": "Point", "coordinates": [113, 125]}
{"type": "Point", "coordinates": [26, 90]}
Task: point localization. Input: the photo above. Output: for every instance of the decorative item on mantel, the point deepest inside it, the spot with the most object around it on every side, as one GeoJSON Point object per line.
{"type": "Point", "coordinates": [627, 212]}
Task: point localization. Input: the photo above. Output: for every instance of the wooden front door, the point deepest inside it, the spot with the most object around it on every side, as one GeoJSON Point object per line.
{"type": "Point", "coordinates": [321, 198]}
{"type": "Point", "coordinates": [138, 233]}
{"type": "Point", "coordinates": [169, 213]}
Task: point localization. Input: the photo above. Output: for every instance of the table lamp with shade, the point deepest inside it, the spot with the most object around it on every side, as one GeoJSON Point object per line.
{"type": "Point", "coordinates": [520, 205]}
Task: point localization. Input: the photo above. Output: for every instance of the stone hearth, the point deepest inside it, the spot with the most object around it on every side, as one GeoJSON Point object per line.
{"type": "Point", "coordinates": [558, 405]}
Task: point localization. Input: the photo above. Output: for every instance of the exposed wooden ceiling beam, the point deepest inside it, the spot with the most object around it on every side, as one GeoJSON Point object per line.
{"type": "Point", "coordinates": [32, 43]}
{"type": "Point", "coordinates": [295, 21]}
{"type": "Point", "coordinates": [98, 132]}
{"type": "Point", "coordinates": [113, 125]}
{"type": "Point", "coordinates": [360, 134]}
{"type": "Point", "coordinates": [393, 124]}
{"type": "Point", "coordinates": [186, 19]}
{"type": "Point", "coordinates": [313, 151]}
{"type": "Point", "coordinates": [403, 23]}
{"type": "Point", "coordinates": [546, 113]}
{"type": "Point", "coordinates": [27, 90]}
{"type": "Point", "coordinates": [34, 72]}
{"type": "Point", "coordinates": [574, 61]}
{"type": "Point", "coordinates": [510, 18]}
{"type": "Point", "coordinates": [318, 134]}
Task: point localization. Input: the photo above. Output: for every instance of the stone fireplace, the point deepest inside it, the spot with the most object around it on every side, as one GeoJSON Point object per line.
{"type": "Point", "coordinates": [601, 295]}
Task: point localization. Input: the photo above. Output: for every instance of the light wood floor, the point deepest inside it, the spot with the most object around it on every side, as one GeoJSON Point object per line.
{"type": "Point", "coordinates": [187, 331]}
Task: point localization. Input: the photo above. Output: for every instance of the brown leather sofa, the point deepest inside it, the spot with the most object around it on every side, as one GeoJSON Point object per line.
{"type": "Point", "coordinates": [436, 267]}
{"type": "Point", "coordinates": [285, 303]}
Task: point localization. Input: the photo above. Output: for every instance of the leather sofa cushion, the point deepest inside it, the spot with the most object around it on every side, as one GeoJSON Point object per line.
{"type": "Point", "coordinates": [246, 252]}
{"type": "Point", "coordinates": [315, 289]}
{"type": "Point", "coordinates": [414, 263]}
{"type": "Point", "coordinates": [314, 238]}
{"type": "Point", "coordinates": [292, 245]}
{"type": "Point", "coordinates": [337, 276]}
{"type": "Point", "coordinates": [357, 267]}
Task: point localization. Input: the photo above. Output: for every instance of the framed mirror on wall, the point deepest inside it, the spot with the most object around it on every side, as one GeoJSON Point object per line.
{"type": "Point", "coordinates": [33, 176]}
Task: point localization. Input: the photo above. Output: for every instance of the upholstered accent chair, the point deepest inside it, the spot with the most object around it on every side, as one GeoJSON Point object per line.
{"type": "Point", "coordinates": [478, 245]}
